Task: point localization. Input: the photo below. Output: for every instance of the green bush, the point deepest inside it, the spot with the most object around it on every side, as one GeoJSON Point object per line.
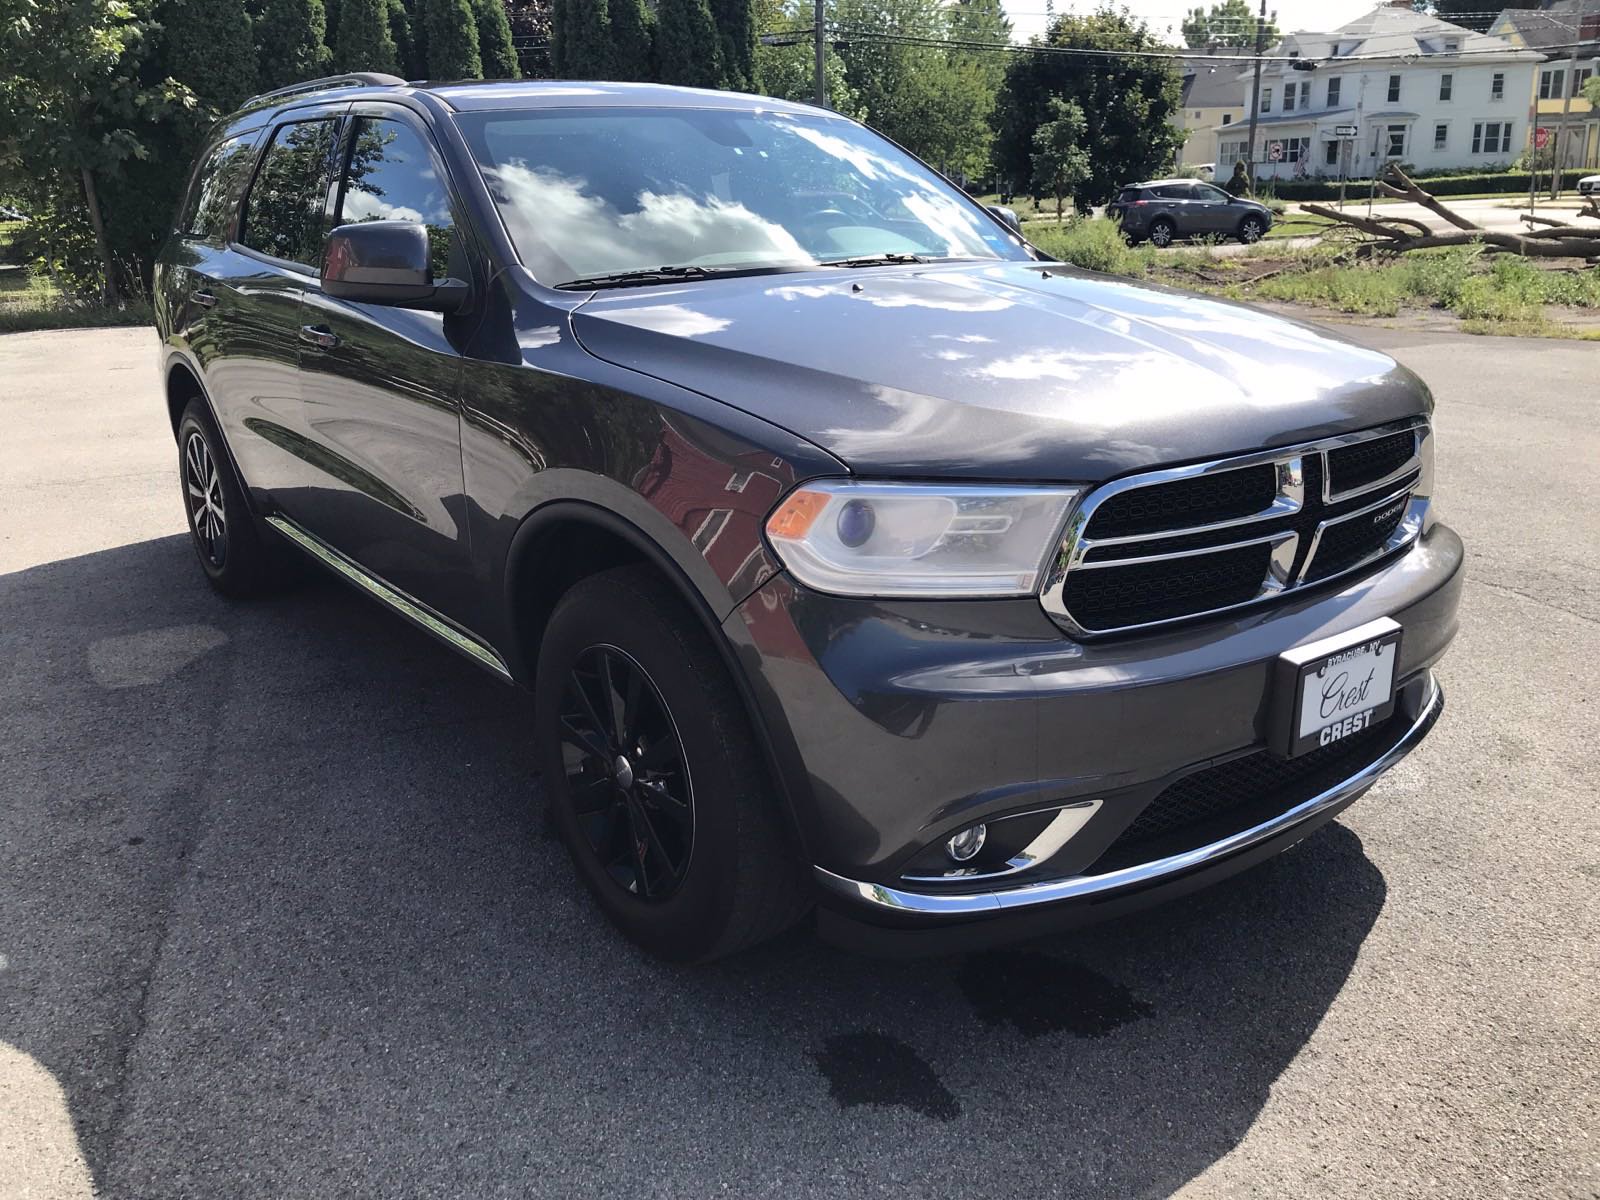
{"type": "Point", "coordinates": [498, 55]}
{"type": "Point", "coordinates": [1093, 243]}
{"type": "Point", "coordinates": [687, 46]}
{"type": "Point", "coordinates": [365, 43]}
{"type": "Point", "coordinates": [291, 36]}
{"type": "Point", "coordinates": [632, 41]}
{"type": "Point", "coordinates": [452, 40]}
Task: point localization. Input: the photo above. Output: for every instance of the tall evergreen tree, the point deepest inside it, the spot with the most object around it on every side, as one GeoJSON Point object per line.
{"type": "Point", "coordinates": [210, 46]}
{"type": "Point", "coordinates": [687, 46]}
{"type": "Point", "coordinates": [583, 34]}
{"type": "Point", "coordinates": [413, 65]}
{"type": "Point", "coordinates": [452, 40]}
{"type": "Point", "coordinates": [365, 43]}
{"type": "Point", "coordinates": [632, 41]}
{"type": "Point", "coordinates": [291, 41]}
{"type": "Point", "coordinates": [736, 40]}
{"type": "Point", "coordinates": [498, 55]}
{"type": "Point", "coordinates": [558, 38]}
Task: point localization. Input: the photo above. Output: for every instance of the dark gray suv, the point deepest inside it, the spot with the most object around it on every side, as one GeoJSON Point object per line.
{"type": "Point", "coordinates": [1165, 209]}
{"type": "Point", "coordinates": [857, 559]}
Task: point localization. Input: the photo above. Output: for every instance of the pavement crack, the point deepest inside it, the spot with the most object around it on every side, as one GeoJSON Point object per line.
{"type": "Point", "coordinates": [1540, 600]}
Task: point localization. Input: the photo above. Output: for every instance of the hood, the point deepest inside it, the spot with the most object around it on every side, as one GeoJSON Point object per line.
{"type": "Point", "coordinates": [1001, 371]}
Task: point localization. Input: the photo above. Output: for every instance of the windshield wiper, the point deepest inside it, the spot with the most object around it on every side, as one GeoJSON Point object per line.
{"type": "Point", "coordinates": [649, 275]}
{"type": "Point", "coordinates": [874, 260]}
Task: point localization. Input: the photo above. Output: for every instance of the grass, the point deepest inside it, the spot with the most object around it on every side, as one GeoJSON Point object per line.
{"type": "Point", "coordinates": [29, 301]}
{"type": "Point", "coordinates": [1491, 294]}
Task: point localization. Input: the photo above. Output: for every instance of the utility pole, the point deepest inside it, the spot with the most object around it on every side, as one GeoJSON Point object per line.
{"type": "Point", "coordinates": [1561, 130]}
{"type": "Point", "coordinates": [1255, 97]}
{"type": "Point", "coordinates": [821, 46]}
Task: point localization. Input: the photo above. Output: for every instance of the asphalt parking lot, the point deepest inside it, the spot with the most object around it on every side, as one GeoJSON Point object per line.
{"type": "Point", "coordinates": [278, 918]}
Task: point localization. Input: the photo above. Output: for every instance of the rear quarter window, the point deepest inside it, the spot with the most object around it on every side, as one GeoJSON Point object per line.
{"type": "Point", "coordinates": [1128, 196]}
{"type": "Point", "coordinates": [208, 213]}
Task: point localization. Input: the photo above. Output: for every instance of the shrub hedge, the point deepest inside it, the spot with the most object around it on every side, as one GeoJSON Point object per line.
{"type": "Point", "coordinates": [1508, 182]}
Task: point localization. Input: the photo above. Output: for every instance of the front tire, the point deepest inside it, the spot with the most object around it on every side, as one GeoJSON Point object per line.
{"type": "Point", "coordinates": [228, 540]}
{"type": "Point", "coordinates": [1250, 230]}
{"type": "Point", "coordinates": [652, 775]}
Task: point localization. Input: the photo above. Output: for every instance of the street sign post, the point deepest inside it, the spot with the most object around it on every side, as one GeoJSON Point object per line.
{"type": "Point", "coordinates": [1541, 138]}
{"type": "Point", "coordinates": [1275, 152]}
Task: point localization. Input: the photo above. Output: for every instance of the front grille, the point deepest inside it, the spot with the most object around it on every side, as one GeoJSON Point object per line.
{"type": "Point", "coordinates": [1363, 464]}
{"type": "Point", "coordinates": [1218, 801]}
{"type": "Point", "coordinates": [1188, 542]}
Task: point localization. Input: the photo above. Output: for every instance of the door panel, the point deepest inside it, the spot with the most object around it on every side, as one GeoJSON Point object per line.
{"type": "Point", "coordinates": [379, 387]}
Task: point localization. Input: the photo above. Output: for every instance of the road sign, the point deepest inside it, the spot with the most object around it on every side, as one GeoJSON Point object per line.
{"type": "Point", "coordinates": [1346, 131]}
{"type": "Point", "coordinates": [1541, 138]}
{"type": "Point", "coordinates": [1275, 152]}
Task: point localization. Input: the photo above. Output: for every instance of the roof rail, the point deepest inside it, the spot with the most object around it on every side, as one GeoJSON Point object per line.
{"type": "Point", "coordinates": [354, 79]}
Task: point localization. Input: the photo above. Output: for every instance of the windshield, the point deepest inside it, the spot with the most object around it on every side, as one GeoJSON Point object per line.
{"type": "Point", "coordinates": [589, 193]}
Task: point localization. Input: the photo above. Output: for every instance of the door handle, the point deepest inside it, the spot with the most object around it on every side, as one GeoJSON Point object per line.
{"type": "Point", "coordinates": [320, 336]}
{"type": "Point", "coordinates": [203, 299]}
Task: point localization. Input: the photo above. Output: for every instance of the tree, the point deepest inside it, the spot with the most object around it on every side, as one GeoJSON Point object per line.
{"type": "Point", "coordinates": [786, 68]}
{"type": "Point", "coordinates": [687, 46]}
{"type": "Point", "coordinates": [74, 107]}
{"type": "Point", "coordinates": [1231, 23]}
{"type": "Point", "coordinates": [1474, 15]}
{"type": "Point", "coordinates": [530, 24]}
{"type": "Point", "coordinates": [290, 37]}
{"type": "Point", "coordinates": [210, 46]}
{"type": "Point", "coordinates": [632, 41]}
{"type": "Point", "coordinates": [1591, 91]}
{"type": "Point", "coordinates": [365, 43]}
{"type": "Point", "coordinates": [736, 41]}
{"type": "Point", "coordinates": [1127, 102]}
{"type": "Point", "coordinates": [498, 55]}
{"type": "Point", "coordinates": [1060, 162]}
{"type": "Point", "coordinates": [413, 64]}
{"type": "Point", "coordinates": [452, 40]}
{"type": "Point", "coordinates": [583, 38]}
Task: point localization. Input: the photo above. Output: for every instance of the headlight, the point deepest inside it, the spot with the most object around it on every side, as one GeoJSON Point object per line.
{"type": "Point", "coordinates": [914, 539]}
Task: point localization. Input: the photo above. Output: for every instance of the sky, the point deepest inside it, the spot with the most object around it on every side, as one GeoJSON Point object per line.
{"type": "Point", "coordinates": [1028, 16]}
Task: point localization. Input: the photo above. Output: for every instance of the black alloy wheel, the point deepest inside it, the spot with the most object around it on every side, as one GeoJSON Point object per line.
{"type": "Point", "coordinates": [632, 796]}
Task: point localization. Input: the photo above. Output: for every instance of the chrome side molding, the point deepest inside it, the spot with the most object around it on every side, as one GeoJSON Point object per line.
{"type": "Point", "coordinates": [412, 610]}
{"type": "Point", "coordinates": [977, 903]}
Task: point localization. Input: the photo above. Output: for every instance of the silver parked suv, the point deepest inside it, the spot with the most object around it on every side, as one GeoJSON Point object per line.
{"type": "Point", "coordinates": [1172, 208]}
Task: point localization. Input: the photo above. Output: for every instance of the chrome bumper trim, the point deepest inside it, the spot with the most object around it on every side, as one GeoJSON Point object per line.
{"type": "Point", "coordinates": [959, 904]}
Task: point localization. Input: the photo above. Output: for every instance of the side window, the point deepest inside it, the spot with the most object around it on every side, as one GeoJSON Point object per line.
{"type": "Point", "coordinates": [391, 177]}
{"type": "Point", "coordinates": [284, 214]}
{"type": "Point", "coordinates": [216, 189]}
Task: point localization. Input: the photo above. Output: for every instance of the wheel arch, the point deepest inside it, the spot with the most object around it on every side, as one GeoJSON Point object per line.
{"type": "Point", "coordinates": [565, 541]}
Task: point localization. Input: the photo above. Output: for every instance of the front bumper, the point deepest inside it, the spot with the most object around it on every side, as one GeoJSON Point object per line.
{"type": "Point", "coordinates": [900, 723]}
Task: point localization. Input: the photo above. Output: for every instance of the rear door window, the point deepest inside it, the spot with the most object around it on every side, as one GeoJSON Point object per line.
{"type": "Point", "coordinates": [209, 213]}
{"type": "Point", "coordinates": [391, 176]}
{"type": "Point", "coordinates": [285, 213]}
{"type": "Point", "coordinates": [1129, 195]}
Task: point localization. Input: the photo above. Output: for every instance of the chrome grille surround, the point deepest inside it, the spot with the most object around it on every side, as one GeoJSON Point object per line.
{"type": "Point", "coordinates": [1288, 569]}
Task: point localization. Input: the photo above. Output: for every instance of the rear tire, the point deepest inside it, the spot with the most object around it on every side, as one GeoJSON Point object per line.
{"type": "Point", "coordinates": [1162, 232]}
{"type": "Point", "coordinates": [682, 846]}
{"type": "Point", "coordinates": [234, 548]}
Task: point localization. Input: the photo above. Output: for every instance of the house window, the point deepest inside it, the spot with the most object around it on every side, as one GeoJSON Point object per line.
{"type": "Point", "coordinates": [1441, 135]}
{"type": "Point", "coordinates": [1580, 77]}
{"type": "Point", "coordinates": [1491, 137]}
{"type": "Point", "coordinates": [1451, 45]}
{"type": "Point", "coordinates": [1447, 83]}
{"type": "Point", "coordinates": [1305, 94]}
{"type": "Point", "coordinates": [1330, 153]}
{"type": "Point", "coordinates": [1394, 89]}
{"type": "Point", "coordinates": [1288, 98]}
{"type": "Point", "coordinates": [1227, 118]}
{"type": "Point", "coordinates": [1550, 84]}
{"type": "Point", "coordinates": [1497, 86]}
{"type": "Point", "coordinates": [1333, 91]}
{"type": "Point", "coordinates": [1266, 99]}
{"type": "Point", "coordinates": [1397, 141]}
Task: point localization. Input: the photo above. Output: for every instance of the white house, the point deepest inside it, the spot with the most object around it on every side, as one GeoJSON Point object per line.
{"type": "Point", "coordinates": [1414, 88]}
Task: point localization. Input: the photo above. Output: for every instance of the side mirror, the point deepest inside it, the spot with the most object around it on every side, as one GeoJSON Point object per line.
{"type": "Point", "coordinates": [1006, 215]}
{"type": "Point", "coordinates": [387, 262]}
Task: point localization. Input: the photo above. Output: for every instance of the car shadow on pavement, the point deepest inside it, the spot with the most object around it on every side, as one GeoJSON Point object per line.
{"type": "Point", "coordinates": [278, 912]}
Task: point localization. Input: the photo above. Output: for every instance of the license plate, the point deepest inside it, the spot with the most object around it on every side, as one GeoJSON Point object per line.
{"type": "Point", "coordinates": [1334, 688]}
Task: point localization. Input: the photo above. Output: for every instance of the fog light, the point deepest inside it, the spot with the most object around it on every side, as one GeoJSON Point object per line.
{"type": "Point", "coordinates": [967, 843]}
